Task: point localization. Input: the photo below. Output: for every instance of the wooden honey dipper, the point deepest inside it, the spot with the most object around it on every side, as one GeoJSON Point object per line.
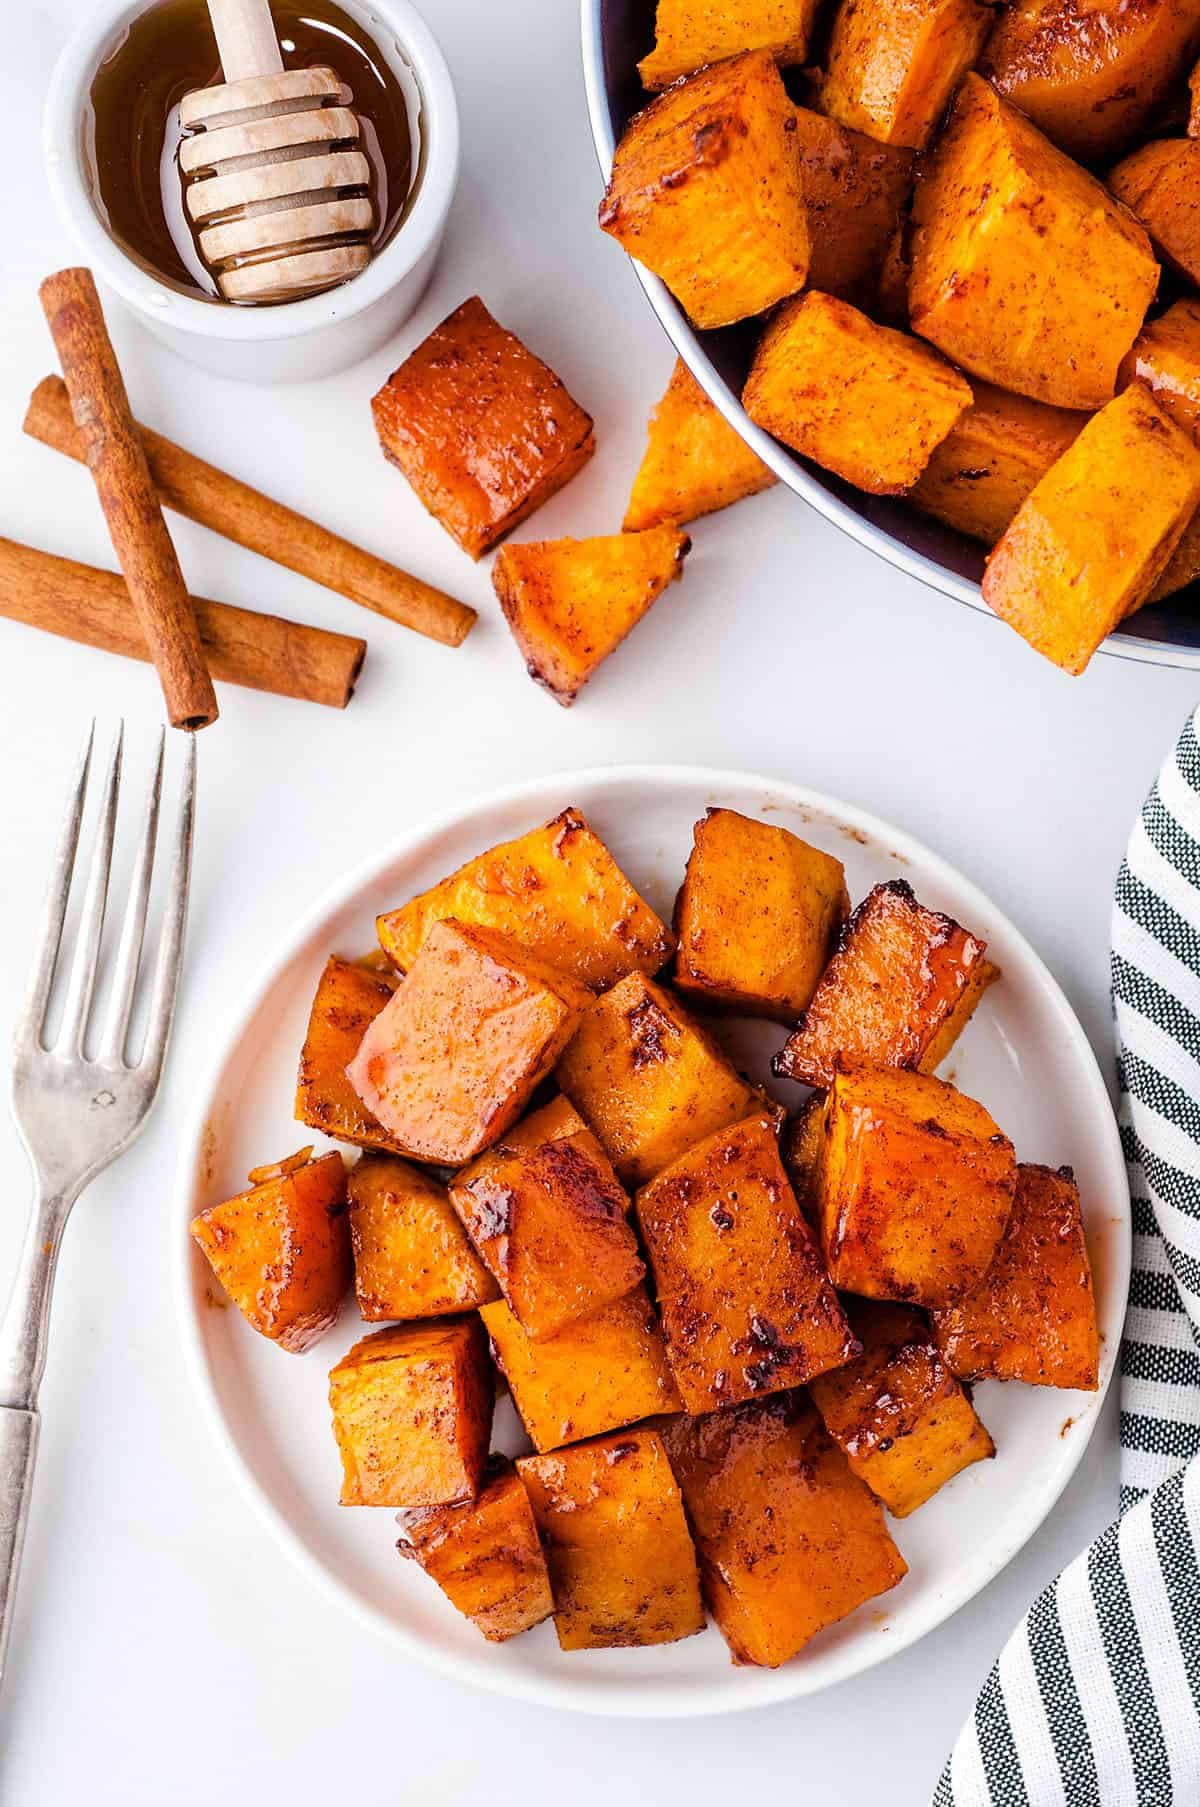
{"type": "Point", "coordinates": [274, 175]}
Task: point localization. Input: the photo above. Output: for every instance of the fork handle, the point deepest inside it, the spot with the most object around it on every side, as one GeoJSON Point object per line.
{"type": "Point", "coordinates": [18, 1452]}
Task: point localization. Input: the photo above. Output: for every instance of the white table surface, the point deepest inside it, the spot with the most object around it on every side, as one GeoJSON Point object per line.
{"type": "Point", "coordinates": [165, 1650]}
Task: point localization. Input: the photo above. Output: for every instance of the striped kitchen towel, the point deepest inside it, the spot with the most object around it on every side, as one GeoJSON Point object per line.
{"type": "Point", "coordinates": [1095, 1700]}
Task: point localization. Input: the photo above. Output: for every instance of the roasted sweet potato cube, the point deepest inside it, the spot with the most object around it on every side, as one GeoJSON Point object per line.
{"type": "Point", "coordinates": [412, 1414]}
{"type": "Point", "coordinates": [863, 400]}
{"type": "Point", "coordinates": [548, 1123]}
{"type": "Point", "coordinates": [349, 998]}
{"type": "Point", "coordinates": [570, 603]}
{"type": "Point", "coordinates": [412, 1258]}
{"type": "Point", "coordinates": [690, 33]}
{"type": "Point", "coordinates": [706, 191]}
{"type": "Point", "coordinates": [621, 1561]}
{"type": "Point", "coordinates": [1183, 567]}
{"type": "Point", "coordinates": [855, 191]}
{"type": "Point", "coordinates": [598, 1374]}
{"type": "Point", "coordinates": [557, 891]}
{"type": "Point", "coordinates": [484, 431]}
{"type": "Point", "coordinates": [1025, 270]}
{"type": "Point", "coordinates": [1161, 184]}
{"type": "Point", "coordinates": [485, 1556]}
{"type": "Point", "coordinates": [800, 1146]}
{"type": "Point", "coordinates": [990, 460]}
{"type": "Point", "coordinates": [899, 1416]}
{"type": "Point", "coordinates": [757, 916]}
{"type": "Point", "coordinates": [746, 1306]}
{"type": "Point", "coordinates": [469, 1036]}
{"type": "Point", "coordinates": [1097, 533]}
{"type": "Point", "coordinates": [1090, 77]}
{"type": "Point", "coordinates": [898, 992]}
{"type": "Point", "coordinates": [694, 462]}
{"type": "Point", "coordinates": [789, 1540]}
{"type": "Point", "coordinates": [648, 1079]}
{"type": "Point", "coordinates": [1033, 1315]}
{"type": "Point", "coordinates": [891, 68]}
{"type": "Point", "coordinates": [1166, 357]}
{"type": "Point", "coordinates": [282, 1249]}
{"type": "Point", "coordinates": [914, 1188]}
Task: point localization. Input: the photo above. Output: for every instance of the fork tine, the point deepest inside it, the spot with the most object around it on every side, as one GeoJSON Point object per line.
{"type": "Point", "coordinates": [82, 981]}
{"type": "Point", "coordinates": [32, 1015]}
{"type": "Point", "coordinates": [170, 950]}
{"type": "Point", "coordinates": [133, 927]}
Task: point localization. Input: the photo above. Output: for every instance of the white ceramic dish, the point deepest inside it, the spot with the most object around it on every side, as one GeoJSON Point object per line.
{"type": "Point", "coordinates": [1024, 1054]}
{"type": "Point", "coordinates": [300, 340]}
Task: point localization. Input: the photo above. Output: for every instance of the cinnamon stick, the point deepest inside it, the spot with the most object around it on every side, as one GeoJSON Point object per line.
{"type": "Point", "coordinates": [232, 508]}
{"type": "Point", "coordinates": [261, 652]}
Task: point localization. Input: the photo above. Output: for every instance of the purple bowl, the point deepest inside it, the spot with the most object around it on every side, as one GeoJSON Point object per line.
{"type": "Point", "coordinates": [616, 33]}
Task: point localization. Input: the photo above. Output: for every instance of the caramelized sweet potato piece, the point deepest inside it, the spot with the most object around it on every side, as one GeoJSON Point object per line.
{"type": "Point", "coordinates": [746, 1306]}
{"type": "Point", "coordinates": [690, 33]}
{"type": "Point", "coordinates": [863, 400]}
{"type": "Point", "coordinates": [898, 1415]}
{"type": "Point", "coordinates": [892, 65]}
{"type": "Point", "coordinates": [282, 1249]}
{"type": "Point", "coordinates": [800, 1147]}
{"type": "Point", "coordinates": [412, 1258]}
{"type": "Point", "coordinates": [550, 1222]}
{"type": "Point", "coordinates": [694, 462]}
{"type": "Point", "coordinates": [1097, 533]}
{"type": "Point", "coordinates": [621, 1561]}
{"type": "Point", "coordinates": [855, 190]}
{"type": "Point", "coordinates": [1024, 269]}
{"type": "Point", "coordinates": [1194, 114]}
{"type": "Point", "coordinates": [1161, 184]}
{"type": "Point", "coordinates": [1091, 75]}
{"type": "Point", "coordinates": [469, 1036]}
{"type": "Point", "coordinates": [484, 431]}
{"type": "Point", "coordinates": [548, 1123]}
{"type": "Point", "coordinates": [570, 603]}
{"type": "Point", "coordinates": [1183, 567]}
{"type": "Point", "coordinates": [914, 1187]}
{"type": "Point", "coordinates": [412, 1414]}
{"type": "Point", "coordinates": [485, 1556]}
{"type": "Point", "coordinates": [706, 191]}
{"type": "Point", "coordinates": [1033, 1315]}
{"type": "Point", "coordinates": [990, 460]}
{"type": "Point", "coordinates": [557, 891]}
{"type": "Point", "coordinates": [757, 916]}
{"type": "Point", "coordinates": [789, 1540]}
{"type": "Point", "coordinates": [597, 1374]}
{"type": "Point", "coordinates": [348, 1000]}
{"type": "Point", "coordinates": [648, 1079]}
{"type": "Point", "coordinates": [1166, 357]}
{"type": "Point", "coordinates": [898, 991]}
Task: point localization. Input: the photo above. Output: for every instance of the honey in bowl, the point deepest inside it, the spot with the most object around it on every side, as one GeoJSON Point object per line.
{"type": "Point", "coordinates": [132, 132]}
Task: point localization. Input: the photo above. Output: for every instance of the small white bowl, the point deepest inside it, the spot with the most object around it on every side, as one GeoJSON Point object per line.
{"type": "Point", "coordinates": [297, 340]}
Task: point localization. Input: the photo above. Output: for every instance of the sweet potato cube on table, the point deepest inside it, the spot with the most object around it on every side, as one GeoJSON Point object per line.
{"type": "Point", "coordinates": [914, 1188]}
{"type": "Point", "coordinates": [1033, 1315]}
{"type": "Point", "coordinates": [648, 1079]}
{"type": "Point", "coordinates": [1166, 357]}
{"type": "Point", "coordinates": [349, 997]}
{"type": "Point", "coordinates": [621, 1561]}
{"type": "Point", "coordinates": [412, 1258]}
{"type": "Point", "coordinates": [757, 916]}
{"type": "Point", "coordinates": [745, 1303]}
{"type": "Point", "coordinates": [789, 1540]}
{"type": "Point", "coordinates": [412, 1414]}
{"type": "Point", "coordinates": [990, 460]}
{"type": "Point", "coordinates": [902, 1420]}
{"type": "Point", "coordinates": [485, 1556]}
{"type": "Point", "coordinates": [694, 462]}
{"type": "Point", "coordinates": [281, 1249]}
{"type": "Point", "coordinates": [551, 1224]}
{"type": "Point", "coordinates": [469, 1036]}
{"type": "Point", "coordinates": [598, 1374]}
{"type": "Point", "coordinates": [1096, 534]}
{"type": "Point", "coordinates": [706, 191]}
{"type": "Point", "coordinates": [483, 430]}
{"type": "Point", "coordinates": [570, 603]}
{"type": "Point", "coordinates": [690, 33]}
{"type": "Point", "coordinates": [892, 65]}
{"type": "Point", "coordinates": [1161, 184]}
{"type": "Point", "coordinates": [898, 991]}
{"type": "Point", "coordinates": [557, 891]}
{"type": "Point", "coordinates": [855, 190]}
{"type": "Point", "coordinates": [1025, 270]}
{"type": "Point", "coordinates": [864, 401]}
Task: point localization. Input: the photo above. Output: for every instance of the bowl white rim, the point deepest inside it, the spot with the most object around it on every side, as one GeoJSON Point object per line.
{"type": "Point", "coordinates": [771, 1686]}
{"type": "Point", "coordinates": [210, 320]}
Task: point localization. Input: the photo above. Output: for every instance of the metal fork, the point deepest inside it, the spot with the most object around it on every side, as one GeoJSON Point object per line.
{"type": "Point", "coordinates": [75, 1114]}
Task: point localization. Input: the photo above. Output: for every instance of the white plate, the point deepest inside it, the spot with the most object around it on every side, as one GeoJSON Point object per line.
{"type": "Point", "coordinates": [1024, 1055]}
